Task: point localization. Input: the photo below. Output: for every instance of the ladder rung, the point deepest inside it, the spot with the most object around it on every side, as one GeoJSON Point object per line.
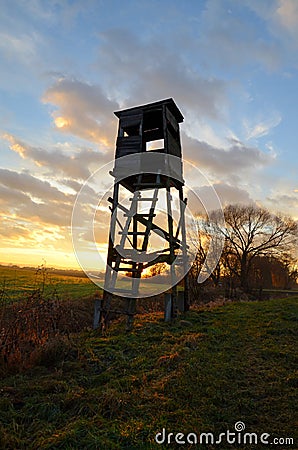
{"type": "Point", "coordinates": [144, 199]}
{"type": "Point", "coordinates": [140, 215]}
{"type": "Point", "coordinates": [139, 233]}
{"type": "Point", "coordinates": [154, 185]}
{"type": "Point", "coordinates": [127, 269]}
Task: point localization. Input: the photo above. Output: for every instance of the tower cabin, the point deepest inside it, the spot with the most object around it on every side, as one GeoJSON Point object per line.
{"type": "Point", "coordinates": [149, 128]}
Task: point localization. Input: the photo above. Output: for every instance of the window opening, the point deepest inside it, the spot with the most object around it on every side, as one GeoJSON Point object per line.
{"type": "Point", "coordinates": [155, 145]}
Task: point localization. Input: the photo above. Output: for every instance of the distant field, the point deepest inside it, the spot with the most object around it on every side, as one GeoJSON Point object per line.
{"type": "Point", "coordinates": [16, 283]}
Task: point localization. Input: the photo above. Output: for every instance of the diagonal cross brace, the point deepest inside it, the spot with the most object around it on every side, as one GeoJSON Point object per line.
{"type": "Point", "coordinates": [157, 229]}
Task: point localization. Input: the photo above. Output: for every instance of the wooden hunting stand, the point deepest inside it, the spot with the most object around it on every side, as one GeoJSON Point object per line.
{"type": "Point", "coordinates": [154, 170]}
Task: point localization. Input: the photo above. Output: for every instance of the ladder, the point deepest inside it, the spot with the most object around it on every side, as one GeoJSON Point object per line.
{"type": "Point", "coordinates": [122, 256]}
{"type": "Point", "coordinates": [135, 259]}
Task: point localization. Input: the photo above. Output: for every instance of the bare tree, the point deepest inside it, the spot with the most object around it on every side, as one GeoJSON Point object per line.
{"type": "Point", "coordinates": [252, 231]}
{"type": "Point", "coordinates": [290, 265]}
{"type": "Point", "coordinates": [208, 241]}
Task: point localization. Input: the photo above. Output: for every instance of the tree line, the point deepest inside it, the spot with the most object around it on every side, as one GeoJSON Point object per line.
{"type": "Point", "coordinates": [253, 247]}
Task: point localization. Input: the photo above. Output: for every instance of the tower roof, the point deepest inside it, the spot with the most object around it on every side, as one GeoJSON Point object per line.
{"type": "Point", "coordinates": [169, 102]}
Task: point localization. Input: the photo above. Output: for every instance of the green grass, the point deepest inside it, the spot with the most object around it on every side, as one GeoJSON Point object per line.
{"type": "Point", "coordinates": [16, 283]}
{"type": "Point", "coordinates": [201, 373]}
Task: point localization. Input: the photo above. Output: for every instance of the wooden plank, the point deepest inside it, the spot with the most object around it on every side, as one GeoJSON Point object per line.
{"type": "Point", "coordinates": [127, 151]}
{"type": "Point", "coordinates": [128, 141]}
{"type": "Point", "coordinates": [174, 147]}
{"type": "Point", "coordinates": [141, 233]}
{"type": "Point", "coordinates": [128, 145]}
{"type": "Point", "coordinates": [130, 121]}
{"type": "Point", "coordinates": [97, 310]}
{"type": "Point", "coordinates": [172, 120]}
{"type": "Point", "coordinates": [168, 307]}
{"type": "Point", "coordinates": [155, 228]}
{"type": "Point", "coordinates": [180, 301]}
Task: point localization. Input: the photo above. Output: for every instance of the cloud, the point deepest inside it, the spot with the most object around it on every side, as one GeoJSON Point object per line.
{"type": "Point", "coordinates": [13, 230]}
{"type": "Point", "coordinates": [287, 14]}
{"type": "Point", "coordinates": [10, 197]}
{"type": "Point", "coordinates": [74, 165]}
{"type": "Point", "coordinates": [207, 196]}
{"type": "Point", "coordinates": [26, 183]}
{"type": "Point", "coordinates": [27, 197]}
{"type": "Point", "coordinates": [22, 47]}
{"type": "Point", "coordinates": [281, 21]}
{"type": "Point", "coordinates": [33, 242]}
{"type": "Point", "coordinates": [139, 70]}
{"type": "Point", "coordinates": [74, 185]}
{"type": "Point", "coordinates": [230, 41]}
{"type": "Point", "coordinates": [285, 203]}
{"type": "Point", "coordinates": [262, 127]}
{"type": "Point", "coordinates": [238, 158]}
{"type": "Point", "coordinates": [82, 110]}
{"type": "Point", "coordinates": [232, 194]}
{"type": "Point", "coordinates": [66, 12]}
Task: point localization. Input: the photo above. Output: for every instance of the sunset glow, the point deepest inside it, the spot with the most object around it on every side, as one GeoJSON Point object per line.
{"type": "Point", "coordinates": [61, 122]}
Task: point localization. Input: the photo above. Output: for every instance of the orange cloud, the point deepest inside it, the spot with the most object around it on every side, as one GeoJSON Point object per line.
{"type": "Point", "coordinates": [15, 145]}
{"type": "Point", "coordinates": [57, 161]}
{"type": "Point", "coordinates": [83, 110]}
{"type": "Point", "coordinates": [61, 122]}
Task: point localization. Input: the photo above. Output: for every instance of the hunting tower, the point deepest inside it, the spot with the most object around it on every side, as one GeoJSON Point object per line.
{"type": "Point", "coordinates": [148, 165]}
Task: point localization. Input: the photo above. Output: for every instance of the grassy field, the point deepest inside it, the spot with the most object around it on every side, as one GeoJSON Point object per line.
{"type": "Point", "coordinates": [201, 373]}
{"type": "Point", "coordinates": [16, 283]}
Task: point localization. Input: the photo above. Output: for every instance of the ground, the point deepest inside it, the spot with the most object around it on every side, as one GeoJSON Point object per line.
{"type": "Point", "coordinates": [203, 372]}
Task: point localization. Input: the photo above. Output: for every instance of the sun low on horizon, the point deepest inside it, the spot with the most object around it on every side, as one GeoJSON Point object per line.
{"type": "Point", "coordinates": [66, 67]}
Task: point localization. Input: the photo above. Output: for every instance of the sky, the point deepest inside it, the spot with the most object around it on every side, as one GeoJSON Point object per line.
{"type": "Point", "coordinates": [66, 66]}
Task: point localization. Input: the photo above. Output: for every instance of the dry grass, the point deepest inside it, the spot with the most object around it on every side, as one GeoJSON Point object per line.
{"type": "Point", "coordinates": [38, 329]}
{"type": "Point", "coordinates": [202, 373]}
